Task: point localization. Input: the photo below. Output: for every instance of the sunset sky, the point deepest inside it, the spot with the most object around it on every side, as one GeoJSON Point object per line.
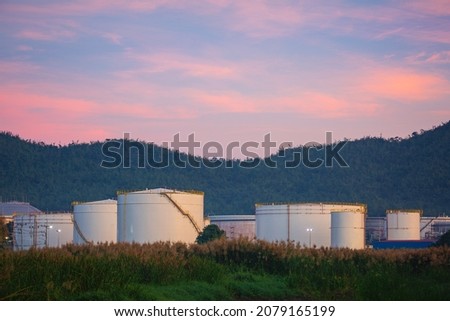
{"type": "Point", "coordinates": [86, 70]}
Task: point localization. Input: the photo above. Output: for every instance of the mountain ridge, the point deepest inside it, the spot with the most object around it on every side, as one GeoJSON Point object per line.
{"type": "Point", "coordinates": [411, 172]}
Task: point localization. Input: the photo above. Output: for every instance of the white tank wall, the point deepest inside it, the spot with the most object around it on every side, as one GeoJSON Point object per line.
{"type": "Point", "coordinates": [289, 222]}
{"type": "Point", "coordinates": [347, 229]}
{"type": "Point", "coordinates": [42, 230]}
{"type": "Point", "coordinates": [403, 225]}
{"type": "Point", "coordinates": [148, 216]}
{"type": "Point", "coordinates": [97, 221]}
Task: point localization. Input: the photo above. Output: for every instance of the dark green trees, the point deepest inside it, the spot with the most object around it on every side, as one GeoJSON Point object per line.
{"type": "Point", "coordinates": [210, 232]}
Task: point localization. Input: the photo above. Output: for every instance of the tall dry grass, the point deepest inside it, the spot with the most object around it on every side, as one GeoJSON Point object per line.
{"type": "Point", "coordinates": [321, 273]}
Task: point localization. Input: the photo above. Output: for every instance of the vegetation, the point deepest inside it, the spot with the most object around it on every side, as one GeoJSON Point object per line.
{"type": "Point", "coordinates": [444, 240]}
{"type": "Point", "coordinates": [4, 233]}
{"type": "Point", "coordinates": [210, 232]}
{"type": "Point", "coordinates": [384, 173]}
{"type": "Point", "coordinates": [223, 270]}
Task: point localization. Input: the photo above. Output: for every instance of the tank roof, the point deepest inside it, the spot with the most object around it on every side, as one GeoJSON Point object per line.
{"type": "Point", "coordinates": [159, 191]}
{"type": "Point", "coordinates": [404, 211]}
{"type": "Point", "coordinates": [107, 201]}
{"type": "Point", "coordinates": [310, 203]}
{"type": "Point", "coordinates": [217, 218]}
{"type": "Point", "coordinates": [11, 208]}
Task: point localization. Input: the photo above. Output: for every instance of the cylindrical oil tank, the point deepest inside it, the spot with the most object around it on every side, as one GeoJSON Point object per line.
{"type": "Point", "coordinates": [159, 215]}
{"type": "Point", "coordinates": [305, 223]}
{"type": "Point", "coordinates": [403, 225]}
{"type": "Point", "coordinates": [347, 229]}
{"type": "Point", "coordinates": [95, 222]}
{"type": "Point", "coordinates": [39, 230]}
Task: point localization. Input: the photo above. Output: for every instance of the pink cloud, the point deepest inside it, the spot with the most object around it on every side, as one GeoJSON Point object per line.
{"type": "Point", "coordinates": [166, 62]}
{"type": "Point", "coordinates": [84, 7]}
{"type": "Point", "coordinates": [264, 18]}
{"type": "Point", "coordinates": [17, 67]}
{"type": "Point", "coordinates": [45, 105]}
{"type": "Point", "coordinates": [228, 102]}
{"type": "Point", "coordinates": [404, 85]}
{"type": "Point", "coordinates": [61, 119]}
{"type": "Point", "coordinates": [24, 48]}
{"type": "Point", "coordinates": [113, 37]}
{"type": "Point", "coordinates": [315, 104]}
{"type": "Point", "coordinates": [47, 35]}
{"type": "Point", "coordinates": [442, 57]}
{"type": "Point", "coordinates": [430, 7]}
{"type": "Point", "coordinates": [258, 18]}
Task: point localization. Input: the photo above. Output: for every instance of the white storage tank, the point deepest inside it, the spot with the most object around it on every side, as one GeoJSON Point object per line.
{"type": "Point", "coordinates": [235, 226]}
{"type": "Point", "coordinates": [347, 229]}
{"type": "Point", "coordinates": [95, 222]}
{"type": "Point", "coordinates": [159, 215]}
{"type": "Point", "coordinates": [403, 225]}
{"type": "Point", "coordinates": [305, 223]}
{"type": "Point", "coordinates": [39, 230]}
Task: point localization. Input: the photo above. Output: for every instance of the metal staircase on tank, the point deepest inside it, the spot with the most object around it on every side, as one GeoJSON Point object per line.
{"type": "Point", "coordinates": [77, 228]}
{"type": "Point", "coordinates": [182, 211]}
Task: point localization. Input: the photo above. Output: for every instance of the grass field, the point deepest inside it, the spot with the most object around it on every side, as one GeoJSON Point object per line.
{"type": "Point", "coordinates": [223, 270]}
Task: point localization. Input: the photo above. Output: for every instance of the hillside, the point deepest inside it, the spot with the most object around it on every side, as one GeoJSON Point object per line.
{"type": "Point", "coordinates": [384, 173]}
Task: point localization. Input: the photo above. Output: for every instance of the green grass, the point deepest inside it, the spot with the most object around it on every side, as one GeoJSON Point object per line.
{"type": "Point", "coordinates": [223, 270]}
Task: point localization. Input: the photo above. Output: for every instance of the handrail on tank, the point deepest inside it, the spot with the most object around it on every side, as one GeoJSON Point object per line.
{"type": "Point", "coordinates": [90, 202]}
{"type": "Point", "coordinates": [170, 190]}
{"type": "Point", "coordinates": [314, 203]}
{"type": "Point", "coordinates": [183, 212]}
{"type": "Point", "coordinates": [41, 213]}
{"type": "Point", "coordinates": [405, 211]}
{"type": "Point", "coordinates": [80, 233]}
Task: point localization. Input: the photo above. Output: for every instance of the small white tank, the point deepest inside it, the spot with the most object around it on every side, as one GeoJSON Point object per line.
{"type": "Point", "coordinates": [159, 215]}
{"type": "Point", "coordinates": [347, 229]}
{"type": "Point", "coordinates": [95, 222]}
{"type": "Point", "coordinates": [403, 225]}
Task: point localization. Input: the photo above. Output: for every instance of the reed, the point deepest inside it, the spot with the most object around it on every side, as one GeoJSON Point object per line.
{"type": "Point", "coordinates": [232, 268]}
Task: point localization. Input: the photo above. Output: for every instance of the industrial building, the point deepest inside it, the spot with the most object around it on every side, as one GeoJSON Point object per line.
{"type": "Point", "coordinates": [432, 228]}
{"type": "Point", "coordinates": [235, 226]}
{"type": "Point", "coordinates": [161, 214]}
{"type": "Point", "coordinates": [375, 229]}
{"type": "Point", "coordinates": [39, 230]}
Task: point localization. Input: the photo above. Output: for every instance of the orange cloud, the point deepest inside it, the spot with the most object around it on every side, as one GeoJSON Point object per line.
{"type": "Point", "coordinates": [312, 103]}
{"type": "Point", "coordinates": [404, 85]}
{"type": "Point", "coordinates": [315, 104]}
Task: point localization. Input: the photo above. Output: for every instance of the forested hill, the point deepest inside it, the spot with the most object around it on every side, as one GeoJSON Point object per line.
{"type": "Point", "coordinates": [392, 173]}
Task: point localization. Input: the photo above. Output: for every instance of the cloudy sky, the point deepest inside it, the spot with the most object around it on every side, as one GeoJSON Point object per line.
{"type": "Point", "coordinates": [87, 70]}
